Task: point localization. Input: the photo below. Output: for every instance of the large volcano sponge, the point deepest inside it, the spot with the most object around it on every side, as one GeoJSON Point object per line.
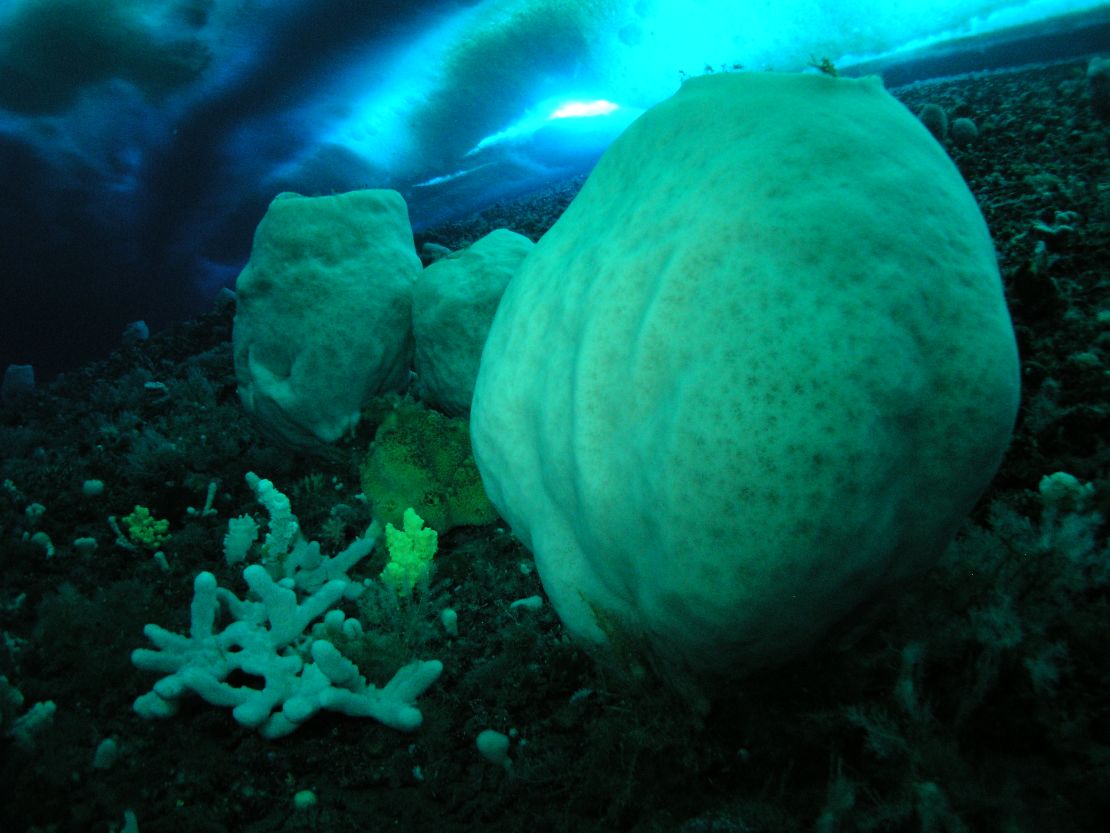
{"type": "Point", "coordinates": [756, 374]}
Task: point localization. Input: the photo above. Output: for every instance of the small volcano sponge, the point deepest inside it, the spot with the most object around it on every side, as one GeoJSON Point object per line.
{"type": "Point", "coordinates": [323, 312]}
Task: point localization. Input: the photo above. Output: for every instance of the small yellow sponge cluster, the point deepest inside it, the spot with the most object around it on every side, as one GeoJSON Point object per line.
{"type": "Point", "coordinates": [144, 530]}
{"type": "Point", "coordinates": [410, 553]}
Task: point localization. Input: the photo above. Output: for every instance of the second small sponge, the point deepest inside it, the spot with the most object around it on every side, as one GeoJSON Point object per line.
{"type": "Point", "coordinates": [452, 307]}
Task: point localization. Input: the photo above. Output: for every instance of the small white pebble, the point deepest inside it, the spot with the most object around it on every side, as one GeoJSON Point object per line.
{"type": "Point", "coordinates": [304, 800]}
{"type": "Point", "coordinates": [494, 747]}
{"type": "Point", "coordinates": [450, 621]}
{"type": "Point", "coordinates": [107, 753]}
{"type": "Point", "coordinates": [84, 546]}
{"type": "Point", "coordinates": [530, 603]}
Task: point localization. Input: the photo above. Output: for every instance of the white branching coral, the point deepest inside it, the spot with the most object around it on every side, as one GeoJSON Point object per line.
{"type": "Point", "coordinates": [269, 638]}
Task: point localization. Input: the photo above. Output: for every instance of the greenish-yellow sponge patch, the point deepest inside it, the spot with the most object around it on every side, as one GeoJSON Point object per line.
{"type": "Point", "coordinates": [422, 459]}
{"type": "Point", "coordinates": [411, 550]}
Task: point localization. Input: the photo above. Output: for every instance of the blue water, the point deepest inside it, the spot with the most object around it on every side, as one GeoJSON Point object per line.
{"type": "Point", "coordinates": [141, 142]}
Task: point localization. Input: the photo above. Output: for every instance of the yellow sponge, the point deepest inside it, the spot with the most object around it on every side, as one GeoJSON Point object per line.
{"type": "Point", "coordinates": [422, 459]}
{"type": "Point", "coordinates": [411, 550]}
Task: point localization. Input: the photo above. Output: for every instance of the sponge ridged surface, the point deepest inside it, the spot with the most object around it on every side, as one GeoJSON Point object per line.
{"type": "Point", "coordinates": [760, 369]}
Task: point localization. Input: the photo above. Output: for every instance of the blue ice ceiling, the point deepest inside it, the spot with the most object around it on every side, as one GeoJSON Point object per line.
{"type": "Point", "coordinates": [141, 141]}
